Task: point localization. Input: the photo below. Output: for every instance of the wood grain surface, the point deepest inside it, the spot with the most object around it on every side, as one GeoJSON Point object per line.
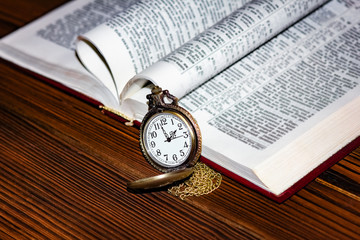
{"type": "Point", "coordinates": [64, 168]}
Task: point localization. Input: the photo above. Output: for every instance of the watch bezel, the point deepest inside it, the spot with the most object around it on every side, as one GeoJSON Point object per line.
{"type": "Point", "coordinates": [193, 127]}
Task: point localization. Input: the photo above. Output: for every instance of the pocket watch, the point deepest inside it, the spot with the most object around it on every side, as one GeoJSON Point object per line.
{"type": "Point", "coordinates": [170, 140]}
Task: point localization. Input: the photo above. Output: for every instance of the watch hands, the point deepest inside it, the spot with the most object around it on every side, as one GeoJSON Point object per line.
{"type": "Point", "coordinates": [177, 137]}
{"type": "Point", "coordinates": [168, 139]}
{"type": "Point", "coordinates": [173, 136]}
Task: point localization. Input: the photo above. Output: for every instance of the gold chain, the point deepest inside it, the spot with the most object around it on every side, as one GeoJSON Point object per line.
{"type": "Point", "coordinates": [204, 180]}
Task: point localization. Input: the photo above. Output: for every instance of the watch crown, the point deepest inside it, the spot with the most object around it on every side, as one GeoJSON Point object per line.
{"type": "Point", "coordinates": [156, 98]}
{"type": "Point", "coordinates": [156, 90]}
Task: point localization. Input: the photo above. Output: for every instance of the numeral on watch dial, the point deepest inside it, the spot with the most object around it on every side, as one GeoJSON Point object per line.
{"type": "Point", "coordinates": [168, 139]}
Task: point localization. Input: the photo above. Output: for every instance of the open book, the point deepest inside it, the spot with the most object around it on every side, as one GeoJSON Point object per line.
{"type": "Point", "coordinates": [274, 85]}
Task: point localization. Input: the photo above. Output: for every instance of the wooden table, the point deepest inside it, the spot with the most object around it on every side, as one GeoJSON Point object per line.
{"type": "Point", "coordinates": [64, 168]}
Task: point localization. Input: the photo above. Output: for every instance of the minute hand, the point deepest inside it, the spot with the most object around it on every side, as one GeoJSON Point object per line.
{"type": "Point", "coordinates": [168, 139]}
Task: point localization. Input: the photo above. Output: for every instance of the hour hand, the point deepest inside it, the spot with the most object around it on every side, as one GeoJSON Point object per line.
{"type": "Point", "coordinates": [173, 134]}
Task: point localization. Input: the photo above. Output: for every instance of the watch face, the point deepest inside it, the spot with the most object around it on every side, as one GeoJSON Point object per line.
{"type": "Point", "coordinates": [168, 139]}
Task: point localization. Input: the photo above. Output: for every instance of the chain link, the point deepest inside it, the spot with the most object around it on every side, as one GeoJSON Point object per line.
{"type": "Point", "coordinates": [204, 180]}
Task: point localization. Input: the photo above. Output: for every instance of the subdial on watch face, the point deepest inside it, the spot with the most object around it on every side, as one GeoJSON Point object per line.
{"type": "Point", "coordinates": [168, 139]}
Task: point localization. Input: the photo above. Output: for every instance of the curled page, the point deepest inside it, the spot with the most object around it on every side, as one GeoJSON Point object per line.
{"type": "Point", "coordinates": [136, 38]}
{"type": "Point", "coordinates": [221, 45]}
{"type": "Point", "coordinates": [46, 46]}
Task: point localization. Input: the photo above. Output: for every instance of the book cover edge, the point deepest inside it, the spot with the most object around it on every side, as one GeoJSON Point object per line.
{"type": "Point", "coordinates": [277, 198]}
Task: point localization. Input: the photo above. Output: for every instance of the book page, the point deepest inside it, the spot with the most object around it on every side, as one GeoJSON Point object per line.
{"type": "Point", "coordinates": [257, 112]}
{"type": "Point", "coordinates": [221, 45]}
{"type": "Point", "coordinates": [279, 92]}
{"type": "Point", "coordinates": [136, 38]}
{"type": "Point", "coordinates": [46, 46]}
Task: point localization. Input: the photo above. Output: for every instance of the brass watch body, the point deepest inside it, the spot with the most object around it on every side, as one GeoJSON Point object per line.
{"type": "Point", "coordinates": [170, 137]}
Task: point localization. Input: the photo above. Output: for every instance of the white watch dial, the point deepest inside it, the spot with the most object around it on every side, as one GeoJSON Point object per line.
{"type": "Point", "coordinates": [168, 139]}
